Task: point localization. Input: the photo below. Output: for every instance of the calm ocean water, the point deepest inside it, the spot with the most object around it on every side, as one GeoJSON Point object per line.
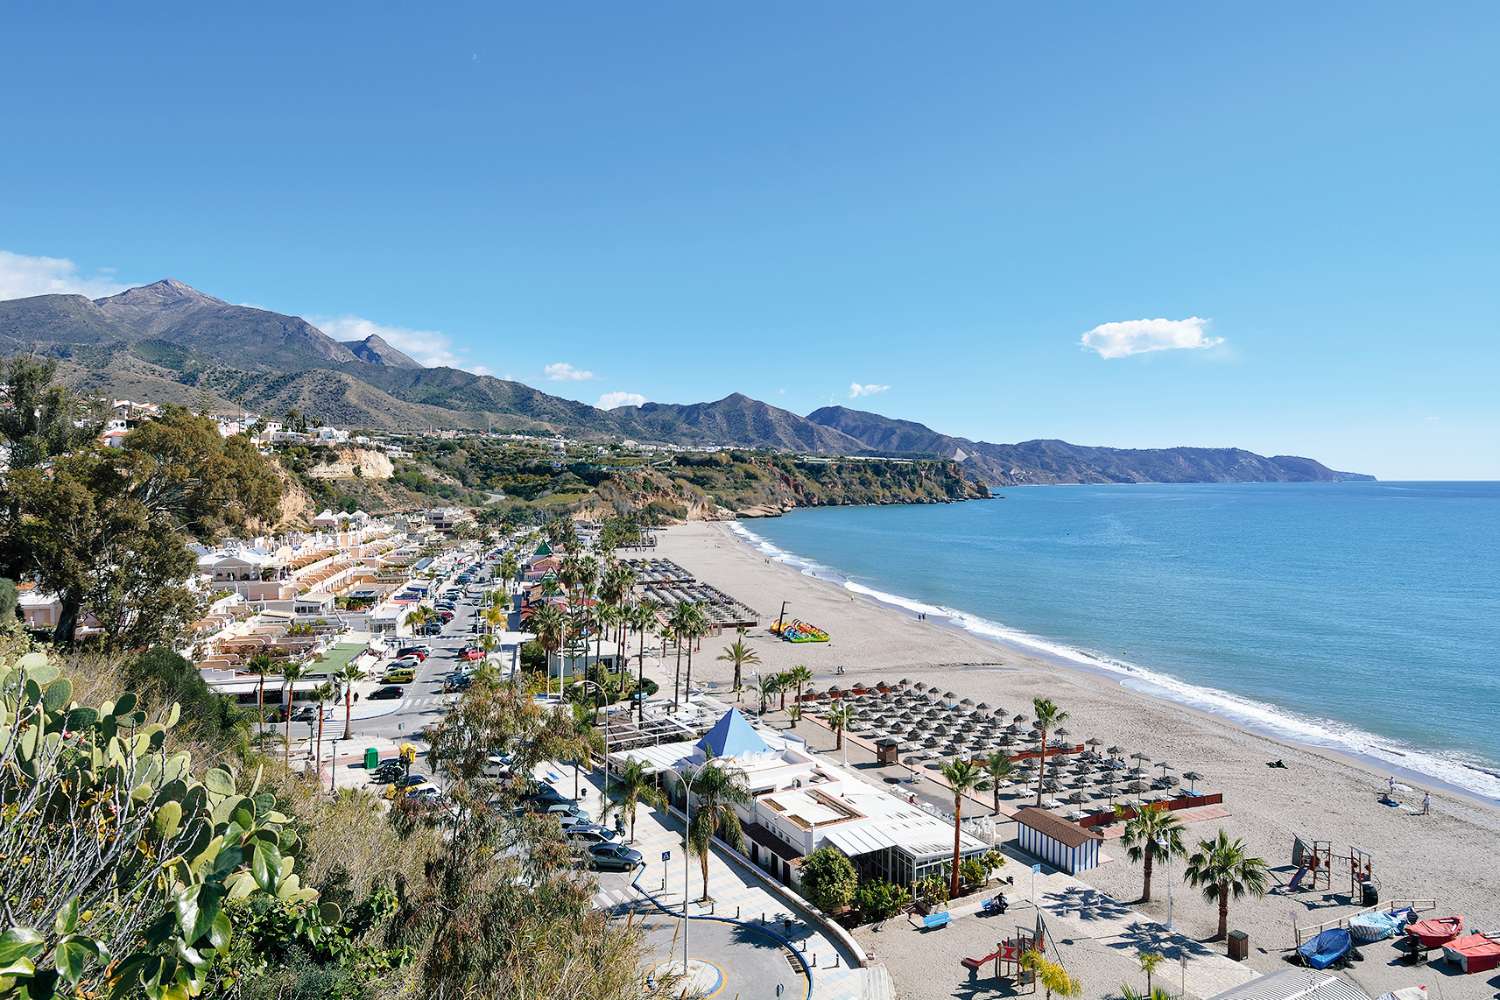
{"type": "Point", "coordinates": [1359, 616]}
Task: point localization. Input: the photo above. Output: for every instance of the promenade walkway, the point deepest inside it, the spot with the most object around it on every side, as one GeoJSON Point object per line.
{"type": "Point", "coordinates": [737, 892]}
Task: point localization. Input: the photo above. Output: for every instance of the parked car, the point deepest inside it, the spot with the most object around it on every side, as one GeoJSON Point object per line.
{"type": "Point", "coordinates": [614, 858]}
{"type": "Point", "coordinates": [445, 616]}
{"type": "Point", "coordinates": [420, 650]}
{"type": "Point", "coordinates": [406, 663]}
{"type": "Point", "coordinates": [432, 628]}
{"type": "Point", "coordinates": [471, 654]}
{"type": "Point", "coordinates": [386, 693]}
{"type": "Point", "coordinates": [589, 836]}
{"type": "Point", "coordinates": [309, 713]}
{"type": "Point", "coordinates": [400, 675]}
{"type": "Point", "coordinates": [426, 793]}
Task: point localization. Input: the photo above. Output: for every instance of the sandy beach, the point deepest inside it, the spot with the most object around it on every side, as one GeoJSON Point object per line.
{"type": "Point", "coordinates": [1447, 855]}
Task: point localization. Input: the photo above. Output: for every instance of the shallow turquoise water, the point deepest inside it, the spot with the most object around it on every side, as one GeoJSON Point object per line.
{"type": "Point", "coordinates": [1364, 616]}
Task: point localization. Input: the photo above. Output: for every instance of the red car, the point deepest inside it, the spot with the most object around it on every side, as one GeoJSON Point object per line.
{"type": "Point", "coordinates": [446, 616]}
{"type": "Point", "coordinates": [471, 654]}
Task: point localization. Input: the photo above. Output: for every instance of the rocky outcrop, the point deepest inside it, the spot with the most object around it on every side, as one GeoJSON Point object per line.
{"type": "Point", "coordinates": [354, 463]}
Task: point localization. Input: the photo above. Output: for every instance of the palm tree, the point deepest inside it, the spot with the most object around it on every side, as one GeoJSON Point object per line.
{"type": "Point", "coordinates": [717, 788]}
{"type": "Point", "coordinates": [347, 677]}
{"type": "Point", "coordinates": [633, 786]}
{"type": "Point", "coordinates": [290, 674]}
{"type": "Point", "coordinates": [419, 616]}
{"type": "Point", "coordinates": [1048, 718]}
{"type": "Point", "coordinates": [793, 714]}
{"type": "Point", "coordinates": [1222, 869]}
{"type": "Point", "coordinates": [799, 676]}
{"type": "Point", "coordinates": [584, 747]}
{"type": "Point", "coordinates": [696, 628]}
{"type": "Point", "coordinates": [1149, 961]}
{"type": "Point", "coordinates": [643, 619]}
{"type": "Point", "coordinates": [1053, 977]}
{"type": "Point", "coordinates": [260, 665]}
{"type": "Point", "coordinates": [961, 776]}
{"type": "Point", "coordinates": [676, 623]}
{"type": "Point", "coordinates": [322, 694]}
{"type": "Point", "coordinates": [509, 570]}
{"type": "Point", "coordinates": [784, 683]}
{"type": "Point", "coordinates": [741, 656]}
{"type": "Point", "coordinates": [839, 716]}
{"type": "Point", "coordinates": [550, 626]}
{"type": "Point", "coordinates": [997, 768]}
{"type": "Point", "coordinates": [1153, 835]}
{"type": "Point", "coordinates": [766, 688]}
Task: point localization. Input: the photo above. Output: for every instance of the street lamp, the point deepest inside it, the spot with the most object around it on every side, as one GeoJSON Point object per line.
{"type": "Point", "coordinates": [585, 683]}
{"type": "Point", "coordinates": [687, 823]}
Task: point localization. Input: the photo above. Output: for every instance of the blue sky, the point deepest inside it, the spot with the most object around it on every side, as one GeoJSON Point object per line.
{"type": "Point", "coordinates": [936, 205]}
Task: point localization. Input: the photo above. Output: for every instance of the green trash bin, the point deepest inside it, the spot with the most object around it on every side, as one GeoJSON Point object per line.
{"type": "Point", "coordinates": [372, 758]}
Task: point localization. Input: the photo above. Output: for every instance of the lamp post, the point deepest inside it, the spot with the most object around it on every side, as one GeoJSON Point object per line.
{"type": "Point", "coordinates": [687, 824]}
{"type": "Point", "coordinates": [585, 683]}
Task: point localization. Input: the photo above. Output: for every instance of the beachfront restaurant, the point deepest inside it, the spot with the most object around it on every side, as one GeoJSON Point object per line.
{"type": "Point", "coordinates": [1061, 843]}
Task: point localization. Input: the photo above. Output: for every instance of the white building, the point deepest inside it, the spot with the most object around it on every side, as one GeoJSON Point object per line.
{"type": "Point", "coordinates": [802, 803]}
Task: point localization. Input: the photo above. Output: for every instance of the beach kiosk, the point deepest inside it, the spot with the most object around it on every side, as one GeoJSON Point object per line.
{"type": "Point", "coordinates": [1061, 843]}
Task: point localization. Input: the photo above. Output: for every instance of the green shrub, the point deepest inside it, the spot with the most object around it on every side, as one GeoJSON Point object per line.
{"type": "Point", "coordinates": [828, 879]}
{"type": "Point", "coordinates": [880, 900]}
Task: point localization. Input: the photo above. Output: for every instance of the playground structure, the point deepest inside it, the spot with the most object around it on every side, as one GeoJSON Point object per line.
{"type": "Point", "coordinates": [1009, 953]}
{"type": "Point", "coordinates": [1314, 860]}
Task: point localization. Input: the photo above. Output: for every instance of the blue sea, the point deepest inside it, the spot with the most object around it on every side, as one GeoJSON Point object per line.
{"type": "Point", "coordinates": [1364, 617]}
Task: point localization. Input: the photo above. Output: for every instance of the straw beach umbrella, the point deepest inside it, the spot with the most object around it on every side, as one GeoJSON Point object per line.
{"type": "Point", "coordinates": [1192, 778]}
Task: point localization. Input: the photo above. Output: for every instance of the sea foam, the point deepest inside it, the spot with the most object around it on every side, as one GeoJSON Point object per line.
{"type": "Point", "coordinates": [1456, 771]}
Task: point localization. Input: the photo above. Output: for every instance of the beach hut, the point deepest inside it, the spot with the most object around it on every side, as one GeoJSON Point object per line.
{"type": "Point", "coordinates": [1064, 845]}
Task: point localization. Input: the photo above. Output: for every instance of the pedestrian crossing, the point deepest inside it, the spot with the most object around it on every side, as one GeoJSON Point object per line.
{"type": "Point", "coordinates": [615, 899]}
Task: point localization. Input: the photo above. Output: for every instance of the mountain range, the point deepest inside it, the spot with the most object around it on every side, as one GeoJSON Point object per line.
{"type": "Point", "coordinates": [168, 342]}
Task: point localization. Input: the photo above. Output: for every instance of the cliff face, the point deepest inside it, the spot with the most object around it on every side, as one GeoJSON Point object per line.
{"type": "Point", "coordinates": [731, 485]}
{"type": "Point", "coordinates": [355, 463]}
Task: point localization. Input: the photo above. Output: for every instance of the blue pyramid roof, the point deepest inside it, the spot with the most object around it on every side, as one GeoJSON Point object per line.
{"type": "Point", "coordinates": [732, 736]}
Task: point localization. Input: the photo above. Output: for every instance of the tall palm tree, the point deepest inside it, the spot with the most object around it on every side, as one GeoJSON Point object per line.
{"type": "Point", "coordinates": [322, 694]}
{"type": "Point", "coordinates": [419, 616]}
{"type": "Point", "coordinates": [839, 716]}
{"type": "Point", "coordinates": [1222, 868]}
{"type": "Point", "coordinates": [1154, 834]}
{"type": "Point", "coordinates": [961, 776]}
{"type": "Point", "coordinates": [696, 627]}
{"type": "Point", "coordinates": [643, 619]}
{"type": "Point", "coordinates": [741, 656]}
{"type": "Point", "coordinates": [1048, 718]}
{"type": "Point", "coordinates": [799, 677]}
{"type": "Point", "coordinates": [347, 678]}
{"type": "Point", "coordinates": [632, 786]}
{"type": "Point", "coordinates": [784, 679]}
{"type": "Point", "coordinates": [585, 746]}
{"type": "Point", "coordinates": [260, 665]}
{"type": "Point", "coordinates": [291, 672]}
{"type": "Point", "coordinates": [677, 625]}
{"type": "Point", "coordinates": [509, 570]}
{"type": "Point", "coordinates": [997, 768]}
{"type": "Point", "coordinates": [717, 789]}
{"type": "Point", "coordinates": [550, 626]}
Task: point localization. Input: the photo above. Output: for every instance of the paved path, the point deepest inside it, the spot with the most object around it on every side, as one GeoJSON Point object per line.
{"type": "Point", "coordinates": [735, 892]}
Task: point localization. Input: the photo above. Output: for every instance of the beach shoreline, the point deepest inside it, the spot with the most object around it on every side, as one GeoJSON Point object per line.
{"type": "Point", "coordinates": [1144, 682]}
{"type": "Point", "coordinates": [1323, 793]}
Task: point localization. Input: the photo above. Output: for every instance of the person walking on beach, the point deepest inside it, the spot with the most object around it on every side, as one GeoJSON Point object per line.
{"type": "Point", "coordinates": [1390, 787]}
{"type": "Point", "coordinates": [1426, 803]}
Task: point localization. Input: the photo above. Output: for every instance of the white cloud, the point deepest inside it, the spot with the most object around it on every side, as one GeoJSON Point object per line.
{"type": "Point", "coordinates": [22, 276]}
{"type": "Point", "coordinates": [856, 390]}
{"type": "Point", "coordinates": [1142, 336]}
{"type": "Point", "coordinates": [430, 347]}
{"type": "Point", "coordinates": [610, 400]}
{"type": "Point", "coordinates": [561, 371]}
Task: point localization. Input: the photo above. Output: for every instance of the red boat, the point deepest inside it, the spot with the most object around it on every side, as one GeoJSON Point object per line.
{"type": "Point", "coordinates": [1474, 952]}
{"type": "Point", "coordinates": [1434, 932]}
